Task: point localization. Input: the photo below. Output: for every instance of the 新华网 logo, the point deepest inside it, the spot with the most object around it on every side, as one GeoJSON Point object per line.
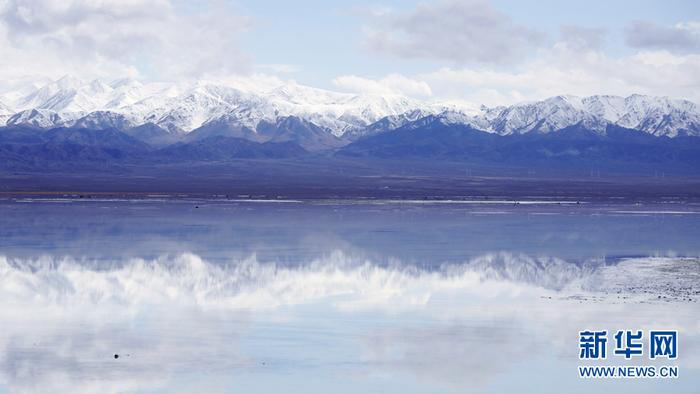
{"type": "Point", "coordinates": [628, 344]}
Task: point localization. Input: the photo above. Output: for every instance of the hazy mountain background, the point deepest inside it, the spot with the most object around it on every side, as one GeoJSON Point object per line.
{"type": "Point", "coordinates": [125, 127]}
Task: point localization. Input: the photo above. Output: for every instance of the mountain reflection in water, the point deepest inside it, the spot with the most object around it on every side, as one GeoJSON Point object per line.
{"type": "Point", "coordinates": [271, 300]}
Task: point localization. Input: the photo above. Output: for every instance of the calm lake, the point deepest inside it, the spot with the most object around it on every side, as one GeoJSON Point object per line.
{"type": "Point", "coordinates": [178, 295]}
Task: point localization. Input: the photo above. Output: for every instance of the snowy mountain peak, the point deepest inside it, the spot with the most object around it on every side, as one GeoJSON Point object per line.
{"type": "Point", "coordinates": [96, 87]}
{"type": "Point", "coordinates": [67, 82]}
{"type": "Point", "coordinates": [42, 118]}
{"type": "Point", "coordinates": [125, 82]}
{"type": "Point", "coordinates": [659, 116]}
{"type": "Point", "coordinates": [182, 108]}
{"type": "Point", "coordinates": [5, 109]}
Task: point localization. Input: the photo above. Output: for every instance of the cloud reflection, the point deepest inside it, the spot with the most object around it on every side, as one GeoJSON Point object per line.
{"type": "Point", "coordinates": [454, 326]}
{"type": "Point", "coordinates": [344, 278]}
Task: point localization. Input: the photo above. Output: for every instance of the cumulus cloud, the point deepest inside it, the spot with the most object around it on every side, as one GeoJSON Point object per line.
{"type": "Point", "coordinates": [391, 84]}
{"type": "Point", "coordinates": [280, 68]}
{"type": "Point", "coordinates": [583, 37]}
{"type": "Point", "coordinates": [681, 37]}
{"type": "Point", "coordinates": [155, 39]}
{"type": "Point", "coordinates": [566, 69]}
{"type": "Point", "coordinates": [462, 32]}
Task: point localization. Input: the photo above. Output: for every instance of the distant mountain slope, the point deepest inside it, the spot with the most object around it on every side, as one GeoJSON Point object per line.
{"type": "Point", "coordinates": [218, 148]}
{"type": "Point", "coordinates": [74, 121]}
{"type": "Point", "coordinates": [429, 138]}
{"type": "Point", "coordinates": [288, 128]}
{"type": "Point", "coordinates": [577, 145]}
{"type": "Point", "coordinates": [153, 135]}
{"type": "Point", "coordinates": [32, 147]}
{"type": "Point", "coordinates": [66, 145]}
{"type": "Point", "coordinates": [299, 131]}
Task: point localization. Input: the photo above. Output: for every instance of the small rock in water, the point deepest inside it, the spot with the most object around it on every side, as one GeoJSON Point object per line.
{"type": "Point", "coordinates": [116, 356]}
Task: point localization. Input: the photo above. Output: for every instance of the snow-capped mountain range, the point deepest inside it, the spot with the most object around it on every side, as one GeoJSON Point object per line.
{"type": "Point", "coordinates": [180, 109]}
{"type": "Point", "coordinates": [184, 108]}
{"type": "Point", "coordinates": [659, 116]}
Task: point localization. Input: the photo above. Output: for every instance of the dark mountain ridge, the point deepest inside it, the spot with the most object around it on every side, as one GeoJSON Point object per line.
{"type": "Point", "coordinates": [429, 138]}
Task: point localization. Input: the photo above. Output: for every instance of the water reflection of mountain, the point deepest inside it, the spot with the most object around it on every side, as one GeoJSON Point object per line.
{"type": "Point", "coordinates": [191, 277]}
{"type": "Point", "coordinates": [294, 234]}
{"type": "Point", "coordinates": [182, 318]}
{"type": "Point", "coordinates": [543, 271]}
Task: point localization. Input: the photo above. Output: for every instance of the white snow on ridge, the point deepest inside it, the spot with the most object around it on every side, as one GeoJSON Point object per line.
{"type": "Point", "coordinates": [5, 109]}
{"type": "Point", "coordinates": [5, 113]}
{"type": "Point", "coordinates": [660, 116]}
{"type": "Point", "coordinates": [182, 108]}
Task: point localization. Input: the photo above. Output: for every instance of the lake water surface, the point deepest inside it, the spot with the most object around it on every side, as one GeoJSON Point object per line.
{"type": "Point", "coordinates": [339, 296]}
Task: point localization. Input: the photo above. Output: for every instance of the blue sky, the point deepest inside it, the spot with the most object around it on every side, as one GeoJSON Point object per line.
{"type": "Point", "coordinates": [476, 51]}
{"type": "Point", "coordinates": [324, 38]}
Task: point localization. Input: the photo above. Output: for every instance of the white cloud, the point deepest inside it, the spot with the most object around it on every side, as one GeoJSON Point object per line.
{"type": "Point", "coordinates": [567, 70]}
{"type": "Point", "coordinates": [390, 84]}
{"type": "Point", "coordinates": [681, 37]}
{"type": "Point", "coordinates": [251, 82]}
{"type": "Point", "coordinates": [462, 32]}
{"type": "Point", "coordinates": [481, 55]}
{"type": "Point", "coordinates": [161, 39]}
{"type": "Point", "coordinates": [484, 57]}
{"type": "Point", "coordinates": [280, 68]}
{"type": "Point", "coordinates": [583, 37]}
